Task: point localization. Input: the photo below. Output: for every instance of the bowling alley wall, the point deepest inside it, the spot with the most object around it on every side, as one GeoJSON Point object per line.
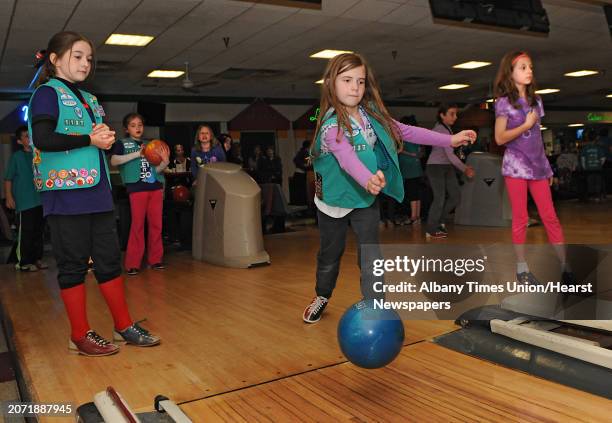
{"type": "Point", "coordinates": [290, 123]}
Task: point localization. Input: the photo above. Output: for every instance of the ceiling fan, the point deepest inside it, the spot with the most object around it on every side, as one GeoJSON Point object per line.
{"type": "Point", "coordinates": [190, 86]}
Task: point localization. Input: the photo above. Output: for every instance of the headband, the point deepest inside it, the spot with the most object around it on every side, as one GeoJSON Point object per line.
{"type": "Point", "coordinates": [518, 57]}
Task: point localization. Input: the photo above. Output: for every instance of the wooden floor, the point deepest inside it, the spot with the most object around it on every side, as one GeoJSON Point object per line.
{"type": "Point", "coordinates": [235, 347]}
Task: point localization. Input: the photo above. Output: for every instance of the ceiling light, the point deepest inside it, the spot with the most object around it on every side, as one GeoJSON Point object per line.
{"type": "Point", "coordinates": [609, 96]}
{"type": "Point", "coordinates": [165, 73]}
{"type": "Point", "coordinates": [453, 86]}
{"type": "Point", "coordinates": [328, 54]}
{"type": "Point", "coordinates": [543, 128]}
{"type": "Point", "coordinates": [580, 73]}
{"type": "Point", "coordinates": [490, 100]}
{"type": "Point", "coordinates": [128, 40]}
{"type": "Point", "coordinates": [547, 91]}
{"type": "Point", "coordinates": [575, 125]}
{"type": "Point", "coordinates": [471, 65]}
{"type": "Point", "coordinates": [320, 81]}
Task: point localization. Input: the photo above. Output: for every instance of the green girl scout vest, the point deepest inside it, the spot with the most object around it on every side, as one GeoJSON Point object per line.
{"type": "Point", "coordinates": [131, 171]}
{"type": "Point", "coordinates": [335, 187]}
{"type": "Point", "coordinates": [71, 169]}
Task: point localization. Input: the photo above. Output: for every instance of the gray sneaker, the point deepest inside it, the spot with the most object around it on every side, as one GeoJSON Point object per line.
{"type": "Point", "coordinates": [136, 335]}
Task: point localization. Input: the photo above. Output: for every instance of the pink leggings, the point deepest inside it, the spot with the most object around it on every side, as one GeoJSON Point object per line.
{"type": "Point", "coordinates": [540, 192]}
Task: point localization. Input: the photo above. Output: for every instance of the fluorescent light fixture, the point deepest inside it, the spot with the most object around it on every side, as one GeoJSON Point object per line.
{"type": "Point", "coordinates": [474, 64]}
{"type": "Point", "coordinates": [129, 40]}
{"type": "Point", "coordinates": [328, 54]}
{"type": "Point", "coordinates": [580, 73]}
{"type": "Point", "coordinates": [548, 91]}
{"type": "Point", "coordinates": [165, 73]}
{"type": "Point", "coordinates": [543, 128]}
{"type": "Point", "coordinates": [320, 81]}
{"type": "Point", "coordinates": [453, 86]}
{"type": "Point", "coordinates": [575, 125]}
{"type": "Point", "coordinates": [609, 96]}
{"type": "Point", "coordinates": [490, 100]}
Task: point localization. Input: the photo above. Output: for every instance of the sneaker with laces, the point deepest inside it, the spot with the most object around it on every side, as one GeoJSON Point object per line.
{"type": "Point", "coordinates": [314, 310]}
{"type": "Point", "coordinates": [527, 277]}
{"type": "Point", "coordinates": [133, 271]}
{"type": "Point", "coordinates": [136, 335]}
{"type": "Point", "coordinates": [442, 228]}
{"type": "Point", "coordinates": [436, 235]}
{"type": "Point", "coordinates": [158, 266]}
{"type": "Point", "coordinates": [92, 345]}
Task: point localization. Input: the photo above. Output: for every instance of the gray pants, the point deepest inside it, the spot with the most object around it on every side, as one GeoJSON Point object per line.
{"type": "Point", "coordinates": [443, 180]}
{"type": "Point", "coordinates": [332, 232]}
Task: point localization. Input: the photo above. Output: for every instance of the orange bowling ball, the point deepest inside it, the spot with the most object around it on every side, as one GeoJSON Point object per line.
{"type": "Point", "coordinates": [153, 151]}
{"type": "Point", "coordinates": [181, 194]}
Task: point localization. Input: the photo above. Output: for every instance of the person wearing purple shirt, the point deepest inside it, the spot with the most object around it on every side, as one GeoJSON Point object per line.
{"type": "Point", "coordinates": [518, 112]}
{"type": "Point", "coordinates": [355, 152]}
{"type": "Point", "coordinates": [441, 174]}
{"type": "Point", "coordinates": [206, 149]}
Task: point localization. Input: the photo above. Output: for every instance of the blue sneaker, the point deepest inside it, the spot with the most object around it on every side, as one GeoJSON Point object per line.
{"type": "Point", "coordinates": [136, 335]}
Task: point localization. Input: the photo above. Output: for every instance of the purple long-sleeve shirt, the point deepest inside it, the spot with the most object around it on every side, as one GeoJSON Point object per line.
{"type": "Point", "coordinates": [350, 163]}
{"type": "Point", "coordinates": [444, 155]}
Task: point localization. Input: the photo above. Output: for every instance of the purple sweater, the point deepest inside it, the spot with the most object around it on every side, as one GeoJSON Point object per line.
{"type": "Point", "coordinates": [444, 155]}
{"type": "Point", "coordinates": [350, 163]}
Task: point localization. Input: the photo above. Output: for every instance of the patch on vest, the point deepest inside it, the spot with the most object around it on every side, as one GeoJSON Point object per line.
{"type": "Point", "coordinates": [319, 186]}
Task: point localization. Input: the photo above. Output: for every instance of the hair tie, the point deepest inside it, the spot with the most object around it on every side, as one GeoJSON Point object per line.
{"type": "Point", "coordinates": [41, 56]}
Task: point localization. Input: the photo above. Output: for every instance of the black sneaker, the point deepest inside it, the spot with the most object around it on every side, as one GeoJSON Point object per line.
{"type": "Point", "coordinates": [158, 266]}
{"type": "Point", "coordinates": [527, 277]}
{"type": "Point", "coordinates": [314, 310]}
{"type": "Point", "coordinates": [133, 271]}
{"type": "Point", "coordinates": [442, 229]}
{"type": "Point", "coordinates": [568, 278]}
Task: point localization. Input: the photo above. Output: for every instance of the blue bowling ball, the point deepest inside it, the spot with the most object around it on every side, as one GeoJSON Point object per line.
{"type": "Point", "coordinates": [368, 337]}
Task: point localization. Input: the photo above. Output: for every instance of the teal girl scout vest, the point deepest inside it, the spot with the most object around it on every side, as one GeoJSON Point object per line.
{"type": "Point", "coordinates": [335, 187]}
{"type": "Point", "coordinates": [131, 171]}
{"type": "Point", "coordinates": [71, 169]}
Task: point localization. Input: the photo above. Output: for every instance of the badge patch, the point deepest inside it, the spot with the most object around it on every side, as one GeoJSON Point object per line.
{"type": "Point", "coordinates": [78, 112]}
{"type": "Point", "coordinates": [59, 183]}
{"type": "Point", "coordinates": [52, 174]}
{"type": "Point", "coordinates": [69, 103]}
{"type": "Point", "coordinates": [84, 172]}
{"type": "Point", "coordinates": [89, 180]}
{"type": "Point", "coordinates": [63, 174]}
{"type": "Point", "coordinates": [49, 183]}
{"type": "Point", "coordinates": [319, 186]}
